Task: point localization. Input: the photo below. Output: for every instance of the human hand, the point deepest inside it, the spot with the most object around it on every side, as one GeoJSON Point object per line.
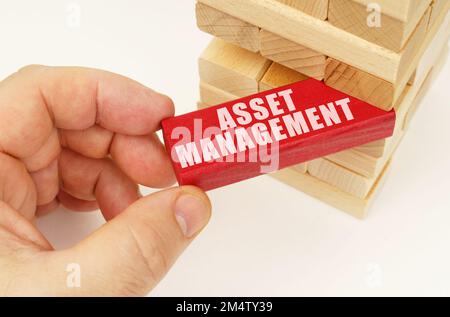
{"type": "Point", "coordinates": [84, 138]}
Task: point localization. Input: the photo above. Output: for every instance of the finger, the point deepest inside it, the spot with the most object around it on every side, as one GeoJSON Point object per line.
{"type": "Point", "coordinates": [38, 97]}
{"type": "Point", "coordinates": [143, 158]}
{"type": "Point", "coordinates": [47, 208]}
{"type": "Point", "coordinates": [151, 164]}
{"type": "Point", "coordinates": [48, 152]}
{"type": "Point", "coordinates": [16, 186]}
{"type": "Point", "coordinates": [131, 253]}
{"type": "Point", "coordinates": [97, 179]}
{"type": "Point", "coordinates": [92, 142]}
{"type": "Point", "coordinates": [17, 224]}
{"type": "Point", "coordinates": [76, 204]}
{"type": "Point", "coordinates": [46, 183]}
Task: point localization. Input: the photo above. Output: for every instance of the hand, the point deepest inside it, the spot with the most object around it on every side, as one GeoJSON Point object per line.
{"type": "Point", "coordinates": [84, 138]}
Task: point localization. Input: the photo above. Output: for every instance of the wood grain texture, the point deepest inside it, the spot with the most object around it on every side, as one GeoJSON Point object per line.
{"type": "Point", "coordinates": [375, 149]}
{"type": "Point", "coordinates": [303, 121]}
{"type": "Point", "coordinates": [402, 10]}
{"type": "Point", "coordinates": [211, 96]}
{"type": "Point", "coordinates": [369, 166]}
{"type": "Point", "coordinates": [340, 177]}
{"type": "Point", "coordinates": [437, 8]}
{"type": "Point", "coordinates": [363, 164]}
{"type": "Point", "coordinates": [301, 168]}
{"type": "Point", "coordinates": [292, 55]}
{"type": "Point", "coordinates": [228, 28]}
{"type": "Point", "coordinates": [433, 50]}
{"type": "Point", "coordinates": [327, 39]}
{"type": "Point", "coordinates": [392, 33]}
{"type": "Point", "coordinates": [329, 194]}
{"type": "Point", "coordinates": [315, 8]}
{"type": "Point", "coordinates": [437, 67]}
{"type": "Point", "coordinates": [318, 35]}
{"type": "Point", "coordinates": [278, 75]}
{"type": "Point", "coordinates": [367, 87]}
{"type": "Point", "coordinates": [359, 84]}
{"type": "Point", "coordinates": [231, 68]}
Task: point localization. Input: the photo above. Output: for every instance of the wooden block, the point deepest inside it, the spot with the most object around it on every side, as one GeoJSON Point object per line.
{"type": "Point", "coordinates": [370, 166]}
{"type": "Point", "coordinates": [340, 177]}
{"type": "Point", "coordinates": [301, 168]}
{"type": "Point", "coordinates": [402, 10]}
{"type": "Point", "coordinates": [359, 84]}
{"type": "Point", "coordinates": [210, 95]}
{"type": "Point", "coordinates": [392, 33]}
{"type": "Point", "coordinates": [327, 39]}
{"type": "Point", "coordinates": [424, 89]}
{"type": "Point", "coordinates": [438, 7]}
{"type": "Point", "coordinates": [202, 105]}
{"type": "Point", "coordinates": [357, 207]}
{"type": "Point", "coordinates": [297, 122]}
{"type": "Point", "coordinates": [232, 68]}
{"type": "Point", "coordinates": [292, 55]}
{"type": "Point", "coordinates": [363, 164]}
{"type": "Point", "coordinates": [278, 75]}
{"type": "Point", "coordinates": [434, 49]}
{"type": "Point", "coordinates": [375, 149]}
{"type": "Point", "coordinates": [227, 28]}
{"type": "Point", "coordinates": [315, 8]}
{"type": "Point", "coordinates": [412, 78]}
{"type": "Point", "coordinates": [370, 88]}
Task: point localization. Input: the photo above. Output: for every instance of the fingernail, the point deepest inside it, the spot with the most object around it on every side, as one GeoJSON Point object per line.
{"type": "Point", "coordinates": [191, 213]}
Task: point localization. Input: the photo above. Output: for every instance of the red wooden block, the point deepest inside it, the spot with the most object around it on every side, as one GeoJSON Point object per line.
{"type": "Point", "coordinates": [268, 131]}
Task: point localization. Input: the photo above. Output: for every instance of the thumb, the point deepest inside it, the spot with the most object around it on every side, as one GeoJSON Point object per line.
{"type": "Point", "coordinates": [130, 254]}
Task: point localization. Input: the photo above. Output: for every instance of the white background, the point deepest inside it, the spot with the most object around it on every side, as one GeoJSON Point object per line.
{"type": "Point", "coordinates": [264, 238]}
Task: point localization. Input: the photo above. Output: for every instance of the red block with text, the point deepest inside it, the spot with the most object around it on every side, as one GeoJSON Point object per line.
{"type": "Point", "coordinates": [271, 130]}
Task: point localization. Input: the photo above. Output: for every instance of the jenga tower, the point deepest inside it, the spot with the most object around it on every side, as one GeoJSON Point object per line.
{"type": "Point", "coordinates": [383, 52]}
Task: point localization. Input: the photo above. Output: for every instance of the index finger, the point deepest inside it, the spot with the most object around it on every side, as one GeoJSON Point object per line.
{"type": "Point", "coordinates": [37, 98]}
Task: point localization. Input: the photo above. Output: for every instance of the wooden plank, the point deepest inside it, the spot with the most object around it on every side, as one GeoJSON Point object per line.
{"type": "Point", "coordinates": [315, 8]}
{"type": "Point", "coordinates": [359, 84]}
{"type": "Point", "coordinates": [228, 28]}
{"type": "Point", "coordinates": [302, 121]}
{"type": "Point", "coordinates": [438, 7]}
{"type": "Point", "coordinates": [437, 67]}
{"type": "Point", "coordinates": [211, 96]}
{"type": "Point", "coordinates": [278, 75]}
{"type": "Point", "coordinates": [292, 55]}
{"type": "Point", "coordinates": [318, 35]}
{"type": "Point", "coordinates": [370, 88]}
{"type": "Point", "coordinates": [345, 178]}
{"type": "Point", "coordinates": [364, 164]}
{"type": "Point", "coordinates": [370, 166]}
{"type": "Point", "coordinates": [301, 168]}
{"type": "Point", "coordinates": [391, 33]}
{"type": "Point", "coordinates": [232, 68]}
{"type": "Point", "coordinates": [357, 207]}
{"type": "Point", "coordinates": [340, 177]}
{"type": "Point", "coordinates": [325, 38]}
{"type": "Point", "coordinates": [401, 10]}
{"type": "Point", "coordinates": [202, 105]}
{"type": "Point", "coordinates": [433, 51]}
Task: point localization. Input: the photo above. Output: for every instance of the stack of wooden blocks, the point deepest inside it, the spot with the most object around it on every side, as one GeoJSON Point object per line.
{"type": "Point", "coordinates": [384, 52]}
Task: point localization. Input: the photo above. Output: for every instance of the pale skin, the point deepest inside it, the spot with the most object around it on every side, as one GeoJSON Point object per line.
{"type": "Point", "coordinates": [84, 139]}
